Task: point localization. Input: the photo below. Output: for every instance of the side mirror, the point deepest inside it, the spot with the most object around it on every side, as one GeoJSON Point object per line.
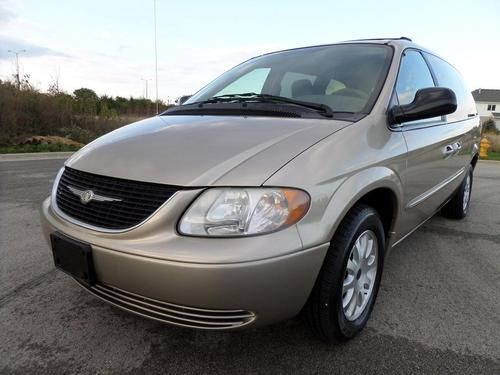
{"type": "Point", "coordinates": [183, 99]}
{"type": "Point", "coordinates": [429, 102]}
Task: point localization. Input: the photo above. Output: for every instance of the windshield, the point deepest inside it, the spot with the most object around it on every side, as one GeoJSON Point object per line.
{"type": "Point", "coordinates": [345, 77]}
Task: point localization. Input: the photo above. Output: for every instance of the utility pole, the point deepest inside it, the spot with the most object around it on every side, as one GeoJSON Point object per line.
{"type": "Point", "coordinates": [146, 81]}
{"type": "Point", "coordinates": [17, 52]}
{"type": "Point", "coordinates": [156, 60]}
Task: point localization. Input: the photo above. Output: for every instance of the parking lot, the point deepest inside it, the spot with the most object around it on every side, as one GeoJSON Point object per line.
{"type": "Point", "coordinates": [438, 309]}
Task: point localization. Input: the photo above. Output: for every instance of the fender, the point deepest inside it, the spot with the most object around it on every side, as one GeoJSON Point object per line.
{"type": "Point", "coordinates": [345, 194]}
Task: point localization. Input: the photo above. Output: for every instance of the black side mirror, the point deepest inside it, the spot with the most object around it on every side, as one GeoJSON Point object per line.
{"type": "Point", "coordinates": [429, 102]}
{"type": "Point", "coordinates": [183, 99]}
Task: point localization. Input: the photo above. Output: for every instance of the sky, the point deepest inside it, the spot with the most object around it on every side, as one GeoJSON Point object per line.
{"type": "Point", "coordinates": [108, 45]}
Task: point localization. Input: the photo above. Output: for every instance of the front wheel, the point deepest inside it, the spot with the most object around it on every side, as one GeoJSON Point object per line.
{"type": "Point", "coordinates": [458, 206]}
{"type": "Point", "coordinates": [345, 291]}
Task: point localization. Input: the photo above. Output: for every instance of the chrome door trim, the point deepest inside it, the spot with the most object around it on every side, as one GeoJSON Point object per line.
{"type": "Point", "coordinates": [419, 199]}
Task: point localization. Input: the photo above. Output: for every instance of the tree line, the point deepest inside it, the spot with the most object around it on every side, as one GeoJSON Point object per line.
{"type": "Point", "coordinates": [81, 116]}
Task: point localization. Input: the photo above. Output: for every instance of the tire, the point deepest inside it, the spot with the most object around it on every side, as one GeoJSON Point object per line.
{"type": "Point", "coordinates": [324, 311]}
{"type": "Point", "coordinates": [458, 207]}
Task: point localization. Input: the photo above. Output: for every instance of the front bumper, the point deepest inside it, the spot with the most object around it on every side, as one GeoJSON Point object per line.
{"type": "Point", "coordinates": [178, 279]}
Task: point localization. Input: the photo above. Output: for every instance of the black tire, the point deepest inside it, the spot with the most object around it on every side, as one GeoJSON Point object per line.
{"type": "Point", "coordinates": [324, 312]}
{"type": "Point", "coordinates": [456, 207]}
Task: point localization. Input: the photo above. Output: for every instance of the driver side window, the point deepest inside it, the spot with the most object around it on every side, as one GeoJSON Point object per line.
{"type": "Point", "coordinates": [413, 76]}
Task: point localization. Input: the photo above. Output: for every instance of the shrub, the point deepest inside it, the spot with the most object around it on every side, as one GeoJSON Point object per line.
{"type": "Point", "coordinates": [495, 142]}
{"type": "Point", "coordinates": [489, 126]}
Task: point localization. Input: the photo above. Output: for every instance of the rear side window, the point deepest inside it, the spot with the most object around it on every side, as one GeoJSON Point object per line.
{"type": "Point", "coordinates": [413, 76]}
{"type": "Point", "coordinates": [447, 76]}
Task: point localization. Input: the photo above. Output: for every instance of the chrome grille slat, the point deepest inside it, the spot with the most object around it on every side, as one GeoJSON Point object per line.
{"type": "Point", "coordinates": [172, 313]}
{"type": "Point", "coordinates": [167, 310]}
{"type": "Point", "coordinates": [167, 303]}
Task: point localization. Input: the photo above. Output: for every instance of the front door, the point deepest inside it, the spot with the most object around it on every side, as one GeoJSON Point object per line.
{"type": "Point", "coordinates": [431, 146]}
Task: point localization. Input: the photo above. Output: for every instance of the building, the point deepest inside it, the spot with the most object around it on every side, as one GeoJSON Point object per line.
{"type": "Point", "coordinates": [488, 104]}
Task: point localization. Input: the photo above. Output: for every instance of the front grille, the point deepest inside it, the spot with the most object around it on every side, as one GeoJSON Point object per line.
{"type": "Point", "coordinates": [126, 203]}
{"type": "Point", "coordinates": [171, 313]}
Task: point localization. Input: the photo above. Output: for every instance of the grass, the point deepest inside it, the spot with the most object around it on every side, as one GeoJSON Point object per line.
{"type": "Point", "coordinates": [57, 147]}
{"type": "Point", "coordinates": [493, 156]}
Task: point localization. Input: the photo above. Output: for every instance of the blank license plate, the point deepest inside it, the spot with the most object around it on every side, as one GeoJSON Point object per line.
{"type": "Point", "coordinates": [73, 257]}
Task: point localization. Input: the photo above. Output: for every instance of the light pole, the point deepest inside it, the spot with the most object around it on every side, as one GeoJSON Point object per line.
{"type": "Point", "coordinates": [156, 60]}
{"type": "Point", "coordinates": [17, 52]}
{"type": "Point", "coordinates": [146, 82]}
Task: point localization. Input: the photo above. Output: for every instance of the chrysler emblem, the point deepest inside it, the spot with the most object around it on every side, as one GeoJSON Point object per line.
{"type": "Point", "coordinates": [87, 196]}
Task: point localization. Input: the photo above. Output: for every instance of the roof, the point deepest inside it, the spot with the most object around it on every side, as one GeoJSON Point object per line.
{"type": "Point", "coordinates": [486, 95]}
{"type": "Point", "coordinates": [403, 41]}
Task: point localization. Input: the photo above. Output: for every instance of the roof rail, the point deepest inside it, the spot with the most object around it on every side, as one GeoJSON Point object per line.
{"type": "Point", "coordinates": [400, 38]}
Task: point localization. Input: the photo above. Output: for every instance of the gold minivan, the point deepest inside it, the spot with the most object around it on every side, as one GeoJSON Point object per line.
{"type": "Point", "coordinates": [278, 188]}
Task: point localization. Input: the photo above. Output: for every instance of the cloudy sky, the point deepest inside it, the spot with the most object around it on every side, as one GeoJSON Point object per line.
{"type": "Point", "coordinates": [108, 45]}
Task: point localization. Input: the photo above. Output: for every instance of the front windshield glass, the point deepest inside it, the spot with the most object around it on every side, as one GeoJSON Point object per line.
{"type": "Point", "coordinates": [345, 77]}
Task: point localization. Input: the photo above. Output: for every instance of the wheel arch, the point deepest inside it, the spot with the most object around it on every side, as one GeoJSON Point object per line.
{"type": "Point", "coordinates": [378, 187]}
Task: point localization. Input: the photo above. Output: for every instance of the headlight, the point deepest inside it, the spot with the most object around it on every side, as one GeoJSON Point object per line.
{"type": "Point", "coordinates": [221, 212]}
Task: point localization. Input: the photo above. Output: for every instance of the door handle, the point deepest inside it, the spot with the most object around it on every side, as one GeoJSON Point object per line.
{"type": "Point", "coordinates": [452, 149]}
{"type": "Point", "coordinates": [448, 150]}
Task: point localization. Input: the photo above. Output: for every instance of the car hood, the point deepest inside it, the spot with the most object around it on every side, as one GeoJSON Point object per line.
{"type": "Point", "coordinates": [202, 150]}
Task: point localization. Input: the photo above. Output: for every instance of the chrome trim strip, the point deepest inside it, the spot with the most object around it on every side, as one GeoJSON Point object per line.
{"type": "Point", "coordinates": [120, 293]}
{"type": "Point", "coordinates": [197, 325]}
{"type": "Point", "coordinates": [410, 232]}
{"type": "Point", "coordinates": [53, 205]}
{"type": "Point", "coordinates": [419, 199]}
{"type": "Point", "coordinates": [134, 305]}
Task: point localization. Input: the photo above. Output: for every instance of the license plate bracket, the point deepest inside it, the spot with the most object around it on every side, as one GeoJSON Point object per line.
{"type": "Point", "coordinates": [73, 257]}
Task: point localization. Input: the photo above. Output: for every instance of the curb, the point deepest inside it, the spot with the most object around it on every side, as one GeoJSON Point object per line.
{"type": "Point", "coordinates": [35, 156]}
{"type": "Point", "coordinates": [488, 161]}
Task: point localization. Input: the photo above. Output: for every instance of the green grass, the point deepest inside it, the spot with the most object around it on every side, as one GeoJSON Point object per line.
{"type": "Point", "coordinates": [58, 147]}
{"type": "Point", "coordinates": [493, 155]}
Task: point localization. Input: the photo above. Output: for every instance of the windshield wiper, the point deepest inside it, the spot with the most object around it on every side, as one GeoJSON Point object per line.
{"type": "Point", "coordinates": [267, 98]}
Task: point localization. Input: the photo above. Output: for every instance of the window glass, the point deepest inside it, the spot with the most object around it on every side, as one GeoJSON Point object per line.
{"type": "Point", "coordinates": [346, 77]}
{"type": "Point", "coordinates": [296, 82]}
{"type": "Point", "coordinates": [252, 81]}
{"type": "Point", "coordinates": [447, 76]}
{"type": "Point", "coordinates": [334, 86]}
{"type": "Point", "coordinates": [413, 76]}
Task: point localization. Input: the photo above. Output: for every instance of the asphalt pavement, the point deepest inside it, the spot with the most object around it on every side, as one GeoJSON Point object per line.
{"type": "Point", "coordinates": [438, 310]}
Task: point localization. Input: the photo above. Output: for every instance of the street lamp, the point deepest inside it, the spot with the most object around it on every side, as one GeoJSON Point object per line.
{"type": "Point", "coordinates": [17, 52]}
{"type": "Point", "coordinates": [146, 82]}
{"type": "Point", "coordinates": [156, 61]}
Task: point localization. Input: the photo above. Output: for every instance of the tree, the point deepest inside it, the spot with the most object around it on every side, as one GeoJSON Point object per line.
{"type": "Point", "coordinates": [86, 101]}
{"type": "Point", "coordinates": [489, 126]}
